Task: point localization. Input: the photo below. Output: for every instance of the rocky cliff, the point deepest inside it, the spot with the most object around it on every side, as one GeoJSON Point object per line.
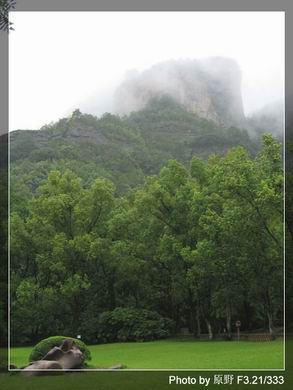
{"type": "Point", "coordinates": [210, 87]}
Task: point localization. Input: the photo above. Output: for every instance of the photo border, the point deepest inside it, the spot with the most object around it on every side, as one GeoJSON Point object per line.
{"type": "Point", "coordinates": [110, 5]}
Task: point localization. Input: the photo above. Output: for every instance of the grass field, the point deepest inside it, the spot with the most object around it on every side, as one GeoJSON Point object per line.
{"type": "Point", "coordinates": [178, 354]}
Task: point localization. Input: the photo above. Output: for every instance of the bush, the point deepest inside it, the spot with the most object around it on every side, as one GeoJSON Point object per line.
{"type": "Point", "coordinates": [44, 346]}
{"type": "Point", "coordinates": [126, 324]}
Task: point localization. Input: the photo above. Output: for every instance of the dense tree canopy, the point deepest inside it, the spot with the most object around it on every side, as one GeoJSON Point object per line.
{"type": "Point", "coordinates": [200, 244]}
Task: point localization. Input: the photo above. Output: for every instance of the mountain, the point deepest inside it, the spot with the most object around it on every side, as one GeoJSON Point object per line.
{"type": "Point", "coordinates": [122, 149]}
{"type": "Point", "coordinates": [210, 88]}
{"type": "Point", "coordinates": [270, 118]}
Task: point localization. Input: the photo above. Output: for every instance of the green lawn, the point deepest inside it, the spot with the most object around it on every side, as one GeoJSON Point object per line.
{"type": "Point", "coordinates": [177, 354]}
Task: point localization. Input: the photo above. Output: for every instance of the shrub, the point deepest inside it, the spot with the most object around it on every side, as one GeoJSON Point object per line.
{"type": "Point", "coordinates": [126, 324]}
{"type": "Point", "coordinates": [44, 346]}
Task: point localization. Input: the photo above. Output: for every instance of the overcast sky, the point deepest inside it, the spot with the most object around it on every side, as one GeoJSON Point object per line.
{"type": "Point", "coordinates": [59, 61]}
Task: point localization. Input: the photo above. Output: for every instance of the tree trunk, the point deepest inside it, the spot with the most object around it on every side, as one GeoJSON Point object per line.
{"type": "Point", "coordinates": [210, 330]}
{"type": "Point", "coordinates": [271, 323]}
{"type": "Point", "coordinates": [198, 322]}
{"type": "Point", "coordinates": [269, 313]}
{"type": "Point", "coordinates": [247, 310]}
{"type": "Point", "coordinates": [228, 322]}
{"type": "Point", "coordinates": [198, 325]}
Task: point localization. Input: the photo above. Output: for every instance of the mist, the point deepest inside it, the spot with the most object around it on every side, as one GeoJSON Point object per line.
{"type": "Point", "coordinates": [57, 70]}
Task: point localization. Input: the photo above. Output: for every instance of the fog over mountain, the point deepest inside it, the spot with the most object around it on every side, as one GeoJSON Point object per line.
{"type": "Point", "coordinates": [270, 118]}
{"type": "Point", "coordinates": [55, 71]}
{"type": "Point", "coordinates": [210, 88]}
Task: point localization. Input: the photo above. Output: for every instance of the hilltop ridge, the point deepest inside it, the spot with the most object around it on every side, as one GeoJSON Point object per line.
{"type": "Point", "coordinates": [123, 149]}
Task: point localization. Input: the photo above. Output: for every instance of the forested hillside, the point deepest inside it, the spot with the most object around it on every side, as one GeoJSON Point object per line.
{"type": "Point", "coordinates": [122, 149]}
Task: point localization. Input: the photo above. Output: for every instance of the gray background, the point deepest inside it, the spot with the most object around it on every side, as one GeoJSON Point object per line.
{"type": "Point", "coordinates": [153, 5]}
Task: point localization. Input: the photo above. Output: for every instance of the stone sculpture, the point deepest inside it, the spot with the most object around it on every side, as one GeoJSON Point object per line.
{"type": "Point", "coordinates": [66, 356]}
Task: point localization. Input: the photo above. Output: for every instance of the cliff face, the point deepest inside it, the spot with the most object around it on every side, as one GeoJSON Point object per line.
{"type": "Point", "coordinates": [211, 88]}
